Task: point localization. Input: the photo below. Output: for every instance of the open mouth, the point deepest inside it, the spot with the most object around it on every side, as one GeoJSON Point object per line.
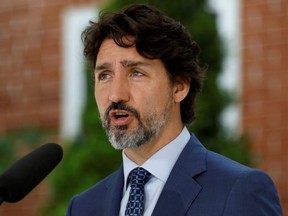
{"type": "Point", "coordinates": [120, 117]}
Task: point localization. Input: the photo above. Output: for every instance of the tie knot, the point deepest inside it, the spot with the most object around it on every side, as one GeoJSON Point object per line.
{"type": "Point", "coordinates": [139, 177]}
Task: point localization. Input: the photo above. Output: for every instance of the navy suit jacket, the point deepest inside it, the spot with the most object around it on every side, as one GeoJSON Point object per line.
{"type": "Point", "coordinates": [201, 183]}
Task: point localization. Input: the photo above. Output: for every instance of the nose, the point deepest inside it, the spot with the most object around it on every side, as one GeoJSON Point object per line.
{"type": "Point", "coordinates": [119, 90]}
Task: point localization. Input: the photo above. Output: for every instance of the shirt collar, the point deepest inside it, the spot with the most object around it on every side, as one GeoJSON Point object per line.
{"type": "Point", "coordinates": [161, 163]}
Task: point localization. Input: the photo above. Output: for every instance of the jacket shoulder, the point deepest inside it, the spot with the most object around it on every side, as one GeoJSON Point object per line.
{"type": "Point", "coordinates": [239, 189]}
{"type": "Point", "coordinates": [93, 199]}
{"type": "Point", "coordinates": [98, 189]}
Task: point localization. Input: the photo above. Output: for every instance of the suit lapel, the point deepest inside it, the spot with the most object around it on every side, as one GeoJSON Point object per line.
{"type": "Point", "coordinates": [181, 189]}
{"type": "Point", "coordinates": [114, 193]}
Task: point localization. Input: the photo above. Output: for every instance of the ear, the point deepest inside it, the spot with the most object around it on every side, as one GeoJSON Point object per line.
{"type": "Point", "coordinates": [181, 90]}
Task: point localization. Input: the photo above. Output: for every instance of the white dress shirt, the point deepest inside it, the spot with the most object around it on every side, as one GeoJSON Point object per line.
{"type": "Point", "coordinates": [159, 165]}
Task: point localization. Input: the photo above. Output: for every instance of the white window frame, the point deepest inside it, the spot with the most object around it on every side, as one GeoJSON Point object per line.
{"type": "Point", "coordinates": [73, 92]}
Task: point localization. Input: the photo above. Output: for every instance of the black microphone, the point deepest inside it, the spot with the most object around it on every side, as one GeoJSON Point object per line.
{"type": "Point", "coordinates": [19, 179]}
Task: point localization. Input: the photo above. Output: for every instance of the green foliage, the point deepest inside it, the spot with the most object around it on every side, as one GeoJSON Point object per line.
{"type": "Point", "coordinates": [90, 158]}
{"type": "Point", "coordinates": [11, 143]}
{"type": "Point", "coordinates": [7, 152]}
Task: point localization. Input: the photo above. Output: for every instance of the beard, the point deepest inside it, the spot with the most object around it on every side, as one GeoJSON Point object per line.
{"type": "Point", "coordinates": [148, 126]}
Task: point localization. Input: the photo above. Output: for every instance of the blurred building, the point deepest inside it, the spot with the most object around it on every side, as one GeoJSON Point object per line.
{"type": "Point", "coordinates": [264, 98]}
{"type": "Point", "coordinates": [40, 60]}
{"type": "Point", "coordinates": [39, 72]}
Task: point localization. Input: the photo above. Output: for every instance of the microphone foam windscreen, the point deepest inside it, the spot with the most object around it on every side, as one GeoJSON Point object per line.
{"type": "Point", "coordinates": [18, 180]}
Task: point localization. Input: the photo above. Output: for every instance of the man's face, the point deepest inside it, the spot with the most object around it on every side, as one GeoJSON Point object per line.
{"type": "Point", "coordinates": [134, 95]}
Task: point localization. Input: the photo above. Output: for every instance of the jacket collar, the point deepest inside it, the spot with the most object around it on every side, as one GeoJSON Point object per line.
{"type": "Point", "coordinates": [115, 193]}
{"type": "Point", "coordinates": [181, 189]}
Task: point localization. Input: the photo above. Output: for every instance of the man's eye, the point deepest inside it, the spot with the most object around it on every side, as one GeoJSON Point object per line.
{"type": "Point", "coordinates": [103, 76]}
{"type": "Point", "coordinates": [137, 74]}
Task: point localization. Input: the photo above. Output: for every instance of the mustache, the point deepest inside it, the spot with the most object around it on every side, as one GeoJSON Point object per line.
{"type": "Point", "coordinates": [121, 106]}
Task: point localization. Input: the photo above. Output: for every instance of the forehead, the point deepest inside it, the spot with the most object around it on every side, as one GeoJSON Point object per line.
{"type": "Point", "coordinates": [110, 49]}
{"type": "Point", "coordinates": [110, 52]}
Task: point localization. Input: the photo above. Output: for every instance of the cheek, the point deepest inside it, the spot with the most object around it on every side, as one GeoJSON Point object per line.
{"type": "Point", "coordinates": [101, 102]}
{"type": "Point", "coordinates": [154, 99]}
{"type": "Point", "coordinates": [150, 104]}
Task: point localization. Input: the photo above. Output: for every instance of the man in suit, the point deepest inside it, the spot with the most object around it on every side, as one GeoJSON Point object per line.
{"type": "Point", "coordinates": [147, 76]}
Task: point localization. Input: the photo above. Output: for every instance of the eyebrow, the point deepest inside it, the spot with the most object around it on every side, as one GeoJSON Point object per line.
{"type": "Point", "coordinates": [128, 63]}
{"type": "Point", "coordinates": [102, 66]}
{"type": "Point", "coordinates": [124, 63]}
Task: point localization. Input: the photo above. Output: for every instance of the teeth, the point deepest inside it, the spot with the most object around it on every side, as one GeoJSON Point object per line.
{"type": "Point", "coordinates": [121, 114]}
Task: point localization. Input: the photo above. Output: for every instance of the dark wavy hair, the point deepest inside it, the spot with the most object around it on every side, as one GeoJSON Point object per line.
{"type": "Point", "coordinates": [155, 36]}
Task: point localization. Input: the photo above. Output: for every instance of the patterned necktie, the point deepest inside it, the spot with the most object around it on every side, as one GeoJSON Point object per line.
{"type": "Point", "coordinates": [138, 177]}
